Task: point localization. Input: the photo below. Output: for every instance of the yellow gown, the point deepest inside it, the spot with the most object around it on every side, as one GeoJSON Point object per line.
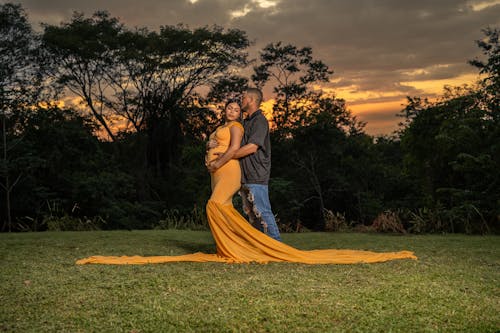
{"type": "Point", "coordinates": [239, 242]}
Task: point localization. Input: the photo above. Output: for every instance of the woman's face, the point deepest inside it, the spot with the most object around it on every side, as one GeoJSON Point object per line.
{"type": "Point", "coordinates": [233, 111]}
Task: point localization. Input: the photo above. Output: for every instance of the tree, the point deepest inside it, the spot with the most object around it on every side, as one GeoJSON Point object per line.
{"type": "Point", "coordinates": [490, 47]}
{"type": "Point", "coordinates": [151, 80]}
{"type": "Point", "coordinates": [84, 51]}
{"type": "Point", "coordinates": [292, 71]}
{"type": "Point", "coordinates": [313, 157]}
{"type": "Point", "coordinates": [19, 86]}
{"type": "Point", "coordinates": [313, 134]}
{"type": "Point", "coordinates": [146, 77]}
{"type": "Point", "coordinates": [71, 177]}
{"type": "Point", "coordinates": [165, 70]}
{"type": "Point", "coordinates": [452, 147]}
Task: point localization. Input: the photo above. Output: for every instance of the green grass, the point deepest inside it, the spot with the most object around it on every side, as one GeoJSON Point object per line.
{"type": "Point", "coordinates": [453, 287]}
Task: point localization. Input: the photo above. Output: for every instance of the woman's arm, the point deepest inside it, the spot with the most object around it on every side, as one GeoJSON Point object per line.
{"type": "Point", "coordinates": [234, 145]}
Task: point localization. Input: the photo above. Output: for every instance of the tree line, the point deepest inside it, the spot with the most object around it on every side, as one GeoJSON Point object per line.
{"type": "Point", "coordinates": [129, 154]}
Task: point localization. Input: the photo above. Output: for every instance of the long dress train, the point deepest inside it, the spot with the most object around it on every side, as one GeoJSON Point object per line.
{"type": "Point", "coordinates": [239, 242]}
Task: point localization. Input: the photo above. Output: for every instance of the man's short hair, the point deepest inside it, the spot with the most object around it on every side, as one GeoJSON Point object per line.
{"type": "Point", "coordinates": [256, 93]}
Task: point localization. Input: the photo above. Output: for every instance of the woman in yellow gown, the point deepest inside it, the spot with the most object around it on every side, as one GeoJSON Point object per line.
{"type": "Point", "coordinates": [236, 240]}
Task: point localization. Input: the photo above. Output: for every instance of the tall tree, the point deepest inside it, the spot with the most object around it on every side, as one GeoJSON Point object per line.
{"type": "Point", "coordinates": [490, 47]}
{"type": "Point", "coordinates": [292, 71]}
{"type": "Point", "coordinates": [151, 79]}
{"type": "Point", "coordinates": [315, 158]}
{"type": "Point", "coordinates": [166, 70]}
{"type": "Point", "coordinates": [84, 51]}
{"type": "Point", "coordinates": [452, 147]}
{"type": "Point", "coordinates": [19, 86]}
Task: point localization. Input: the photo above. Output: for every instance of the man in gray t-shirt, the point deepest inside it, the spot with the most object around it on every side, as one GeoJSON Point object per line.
{"type": "Point", "coordinates": [255, 160]}
{"type": "Point", "coordinates": [256, 167]}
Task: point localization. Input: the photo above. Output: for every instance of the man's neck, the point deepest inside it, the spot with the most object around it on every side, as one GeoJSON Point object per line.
{"type": "Point", "coordinates": [252, 111]}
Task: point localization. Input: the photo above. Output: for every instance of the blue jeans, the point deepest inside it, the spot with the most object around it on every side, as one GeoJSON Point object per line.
{"type": "Point", "coordinates": [260, 194]}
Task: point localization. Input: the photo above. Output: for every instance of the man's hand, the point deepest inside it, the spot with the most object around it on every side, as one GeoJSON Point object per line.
{"type": "Point", "coordinates": [213, 166]}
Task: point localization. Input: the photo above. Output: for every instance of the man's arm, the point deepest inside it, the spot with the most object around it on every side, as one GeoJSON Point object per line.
{"type": "Point", "coordinates": [245, 150]}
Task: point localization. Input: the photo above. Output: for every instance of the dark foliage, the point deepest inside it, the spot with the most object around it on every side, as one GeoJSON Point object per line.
{"type": "Point", "coordinates": [66, 169]}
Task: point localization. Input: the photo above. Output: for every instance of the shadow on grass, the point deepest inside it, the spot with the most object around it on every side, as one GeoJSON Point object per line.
{"type": "Point", "coordinates": [192, 247]}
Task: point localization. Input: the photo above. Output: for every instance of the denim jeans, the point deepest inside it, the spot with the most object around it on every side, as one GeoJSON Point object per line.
{"type": "Point", "coordinates": [260, 195]}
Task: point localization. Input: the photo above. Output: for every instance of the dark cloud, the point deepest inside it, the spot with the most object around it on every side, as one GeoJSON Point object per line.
{"type": "Point", "coordinates": [437, 72]}
{"type": "Point", "coordinates": [372, 45]}
{"type": "Point", "coordinates": [350, 35]}
{"type": "Point", "coordinates": [150, 13]}
{"type": "Point", "coordinates": [387, 115]}
{"type": "Point", "coordinates": [383, 121]}
{"type": "Point", "coordinates": [357, 35]}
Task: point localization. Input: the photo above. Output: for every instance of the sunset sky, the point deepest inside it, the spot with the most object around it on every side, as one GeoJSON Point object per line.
{"type": "Point", "coordinates": [380, 50]}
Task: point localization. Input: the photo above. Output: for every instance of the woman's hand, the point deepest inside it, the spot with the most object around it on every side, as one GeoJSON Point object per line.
{"type": "Point", "coordinates": [212, 143]}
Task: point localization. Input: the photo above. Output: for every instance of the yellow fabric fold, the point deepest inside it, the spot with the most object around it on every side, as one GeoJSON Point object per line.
{"type": "Point", "coordinates": [236, 240]}
{"type": "Point", "coordinates": [239, 242]}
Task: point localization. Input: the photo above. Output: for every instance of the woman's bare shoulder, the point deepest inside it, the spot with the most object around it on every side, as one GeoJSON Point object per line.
{"type": "Point", "coordinates": [235, 123]}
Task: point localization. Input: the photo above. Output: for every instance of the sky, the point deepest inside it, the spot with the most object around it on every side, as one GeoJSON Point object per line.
{"type": "Point", "coordinates": [380, 50]}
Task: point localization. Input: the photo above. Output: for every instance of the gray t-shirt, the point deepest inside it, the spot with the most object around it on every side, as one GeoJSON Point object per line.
{"type": "Point", "coordinates": [256, 167]}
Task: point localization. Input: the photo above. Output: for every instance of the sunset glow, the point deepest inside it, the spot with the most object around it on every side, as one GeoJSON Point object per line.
{"type": "Point", "coordinates": [436, 86]}
{"type": "Point", "coordinates": [484, 4]}
{"type": "Point", "coordinates": [396, 49]}
{"type": "Point", "coordinates": [380, 109]}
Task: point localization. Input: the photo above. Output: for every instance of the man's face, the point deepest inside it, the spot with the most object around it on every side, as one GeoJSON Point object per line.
{"type": "Point", "coordinates": [245, 101]}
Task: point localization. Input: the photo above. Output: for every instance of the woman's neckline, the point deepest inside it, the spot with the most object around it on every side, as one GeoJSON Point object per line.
{"type": "Point", "coordinates": [228, 123]}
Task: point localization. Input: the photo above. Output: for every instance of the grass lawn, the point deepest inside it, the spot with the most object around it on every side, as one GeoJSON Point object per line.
{"type": "Point", "coordinates": [453, 287]}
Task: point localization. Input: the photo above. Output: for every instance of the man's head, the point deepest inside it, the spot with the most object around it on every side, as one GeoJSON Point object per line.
{"type": "Point", "coordinates": [251, 100]}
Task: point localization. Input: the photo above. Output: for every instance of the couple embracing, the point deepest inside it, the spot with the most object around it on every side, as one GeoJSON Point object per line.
{"type": "Point", "coordinates": [240, 155]}
{"type": "Point", "coordinates": [239, 159]}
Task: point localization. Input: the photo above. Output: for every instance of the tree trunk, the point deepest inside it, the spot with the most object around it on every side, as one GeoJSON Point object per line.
{"type": "Point", "coordinates": [7, 180]}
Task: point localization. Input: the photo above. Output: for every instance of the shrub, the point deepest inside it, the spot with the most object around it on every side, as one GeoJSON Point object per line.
{"type": "Point", "coordinates": [334, 221]}
{"type": "Point", "coordinates": [388, 221]}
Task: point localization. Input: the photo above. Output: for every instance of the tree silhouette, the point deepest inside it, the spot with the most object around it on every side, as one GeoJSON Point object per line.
{"type": "Point", "coordinates": [291, 70]}
{"type": "Point", "coordinates": [19, 87]}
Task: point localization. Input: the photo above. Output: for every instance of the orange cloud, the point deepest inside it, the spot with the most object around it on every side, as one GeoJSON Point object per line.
{"type": "Point", "coordinates": [436, 86]}
{"type": "Point", "coordinates": [380, 118]}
